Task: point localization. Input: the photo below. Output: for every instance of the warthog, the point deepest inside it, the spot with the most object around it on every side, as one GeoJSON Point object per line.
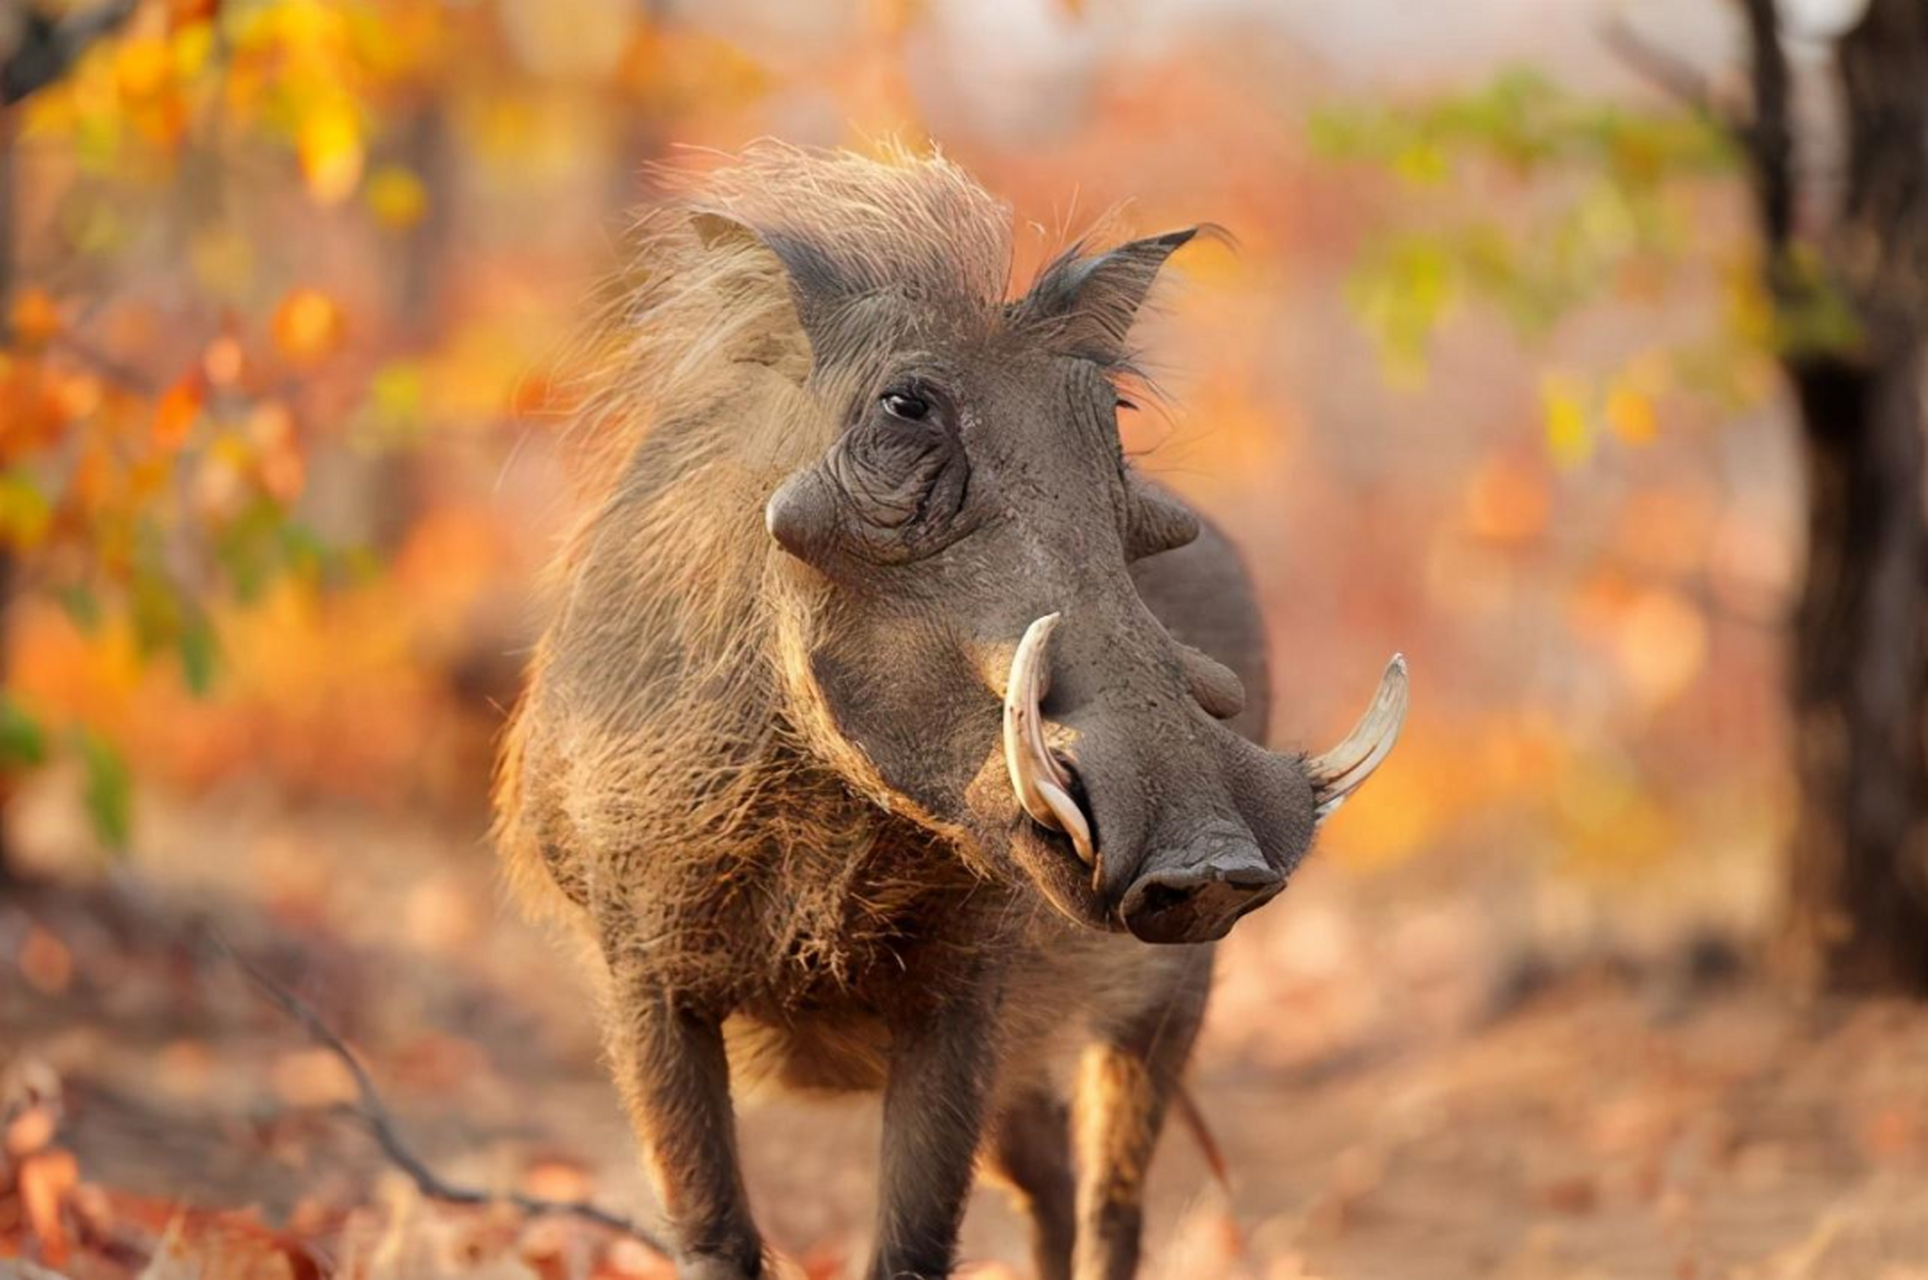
{"type": "Point", "coordinates": [875, 736]}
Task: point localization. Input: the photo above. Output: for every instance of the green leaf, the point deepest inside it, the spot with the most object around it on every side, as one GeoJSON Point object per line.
{"type": "Point", "coordinates": [1814, 317]}
{"type": "Point", "coordinates": [82, 605]}
{"type": "Point", "coordinates": [23, 743]}
{"type": "Point", "coordinates": [155, 608]}
{"type": "Point", "coordinates": [200, 654]}
{"type": "Point", "coordinates": [1401, 291]}
{"type": "Point", "coordinates": [25, 512]}
{"type": "Point", "coordinates": [109, 791]}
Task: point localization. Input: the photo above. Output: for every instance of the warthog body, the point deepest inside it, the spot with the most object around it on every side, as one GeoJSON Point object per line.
{"type": "Point", "coordinates": [800, 755]}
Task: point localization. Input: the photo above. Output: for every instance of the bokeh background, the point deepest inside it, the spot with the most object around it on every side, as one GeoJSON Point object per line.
{"type": "Point", "coordinates": [1489, 377]}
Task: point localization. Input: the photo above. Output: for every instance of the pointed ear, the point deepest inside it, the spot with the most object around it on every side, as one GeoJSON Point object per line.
{"type": "Point", "coordinates": [816, 286]}
{"type": "Point", "coordinates": [1092, 302]}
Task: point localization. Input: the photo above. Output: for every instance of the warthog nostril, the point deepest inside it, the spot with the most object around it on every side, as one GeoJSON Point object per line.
{"type": "Point", "coordinates": [1199, 902]}
{"type": "Point", "coordinates": [1160, 897]}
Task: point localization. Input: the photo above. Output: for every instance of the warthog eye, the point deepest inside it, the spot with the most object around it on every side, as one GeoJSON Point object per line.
{"type": "Point", "coordinates": [907, 405]}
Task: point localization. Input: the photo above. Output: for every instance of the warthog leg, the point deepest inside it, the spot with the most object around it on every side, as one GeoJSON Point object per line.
{"type": "Point", "coordinates": [934, 1113]}
{"type": "Point", "coordinates": [1030, 1150]}
{"type": "Point", "coordinates": [1126, 1080]}
{"type": "Point", "coordinates": [675, 1082]}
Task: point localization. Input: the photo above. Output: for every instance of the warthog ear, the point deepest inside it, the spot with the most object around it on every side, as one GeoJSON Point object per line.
{"type": "Point", "coordinates": [1090, 303]}
{"type": "Point", "coordinates": [816, 284]}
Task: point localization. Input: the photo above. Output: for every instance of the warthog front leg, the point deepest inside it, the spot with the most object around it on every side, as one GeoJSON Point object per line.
{"type": "Point", "coordinates": [934, 1107]}
{"type": "Point", "coordinates": [675, 1082]}
{"type": "Point", "coordinates": [1125, 1083]}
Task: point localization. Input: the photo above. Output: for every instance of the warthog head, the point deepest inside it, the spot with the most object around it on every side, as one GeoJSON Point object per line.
{"type": "Point", "coordinates": [970, 647]}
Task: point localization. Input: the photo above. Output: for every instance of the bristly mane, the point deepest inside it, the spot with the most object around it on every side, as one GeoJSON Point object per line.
{"type": "Point", "coordinates": [665, 738]}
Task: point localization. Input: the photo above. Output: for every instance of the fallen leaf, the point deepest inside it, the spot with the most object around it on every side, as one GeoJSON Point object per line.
{"type": "Point", "coordinates": [44, 1181]}
{"type": "Point", "coordinates": [177, 412]}
{"type": "Point", "coordinates": [45, 962]}
{"type": "Point", "coordinates": [307, 326]}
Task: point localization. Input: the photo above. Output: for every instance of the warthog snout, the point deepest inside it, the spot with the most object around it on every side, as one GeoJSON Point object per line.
{"type": "Point", "coordinates": [1183, 825]}
{"type": "Point", "coordinates": [1197, 892]}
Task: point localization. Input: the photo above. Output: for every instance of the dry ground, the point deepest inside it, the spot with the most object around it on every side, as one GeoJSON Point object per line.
{"type": "Point", "coordinates": [1408, 1083]}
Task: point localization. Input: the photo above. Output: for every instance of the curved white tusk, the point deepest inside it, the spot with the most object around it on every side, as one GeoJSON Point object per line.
{"type": "Point", "coordinates": [1341, 771]}
{"type": "Point", "coordinates": [1043, 788]}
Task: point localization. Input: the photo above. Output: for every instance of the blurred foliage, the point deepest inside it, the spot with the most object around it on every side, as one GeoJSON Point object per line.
{"type": "Point", "coordinates": [1598, 207]}
{"type": "Point", "coordinates": [315, 258]}
{"type": "Point", "coordinates": [152, 451]}
{"type": "Point", "coordinates": [230, 271]}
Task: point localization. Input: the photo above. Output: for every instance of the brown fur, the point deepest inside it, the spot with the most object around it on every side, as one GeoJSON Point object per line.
{"type": "Point", "coordinates": [660, 708]}
{"type": "Point", "coordinates": [675, 783]}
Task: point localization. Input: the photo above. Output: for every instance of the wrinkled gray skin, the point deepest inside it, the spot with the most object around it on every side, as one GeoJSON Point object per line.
{"type": "Point", "coordinates": [1009, 499]}
{"type": "Point", "coordinates": [978, 485]}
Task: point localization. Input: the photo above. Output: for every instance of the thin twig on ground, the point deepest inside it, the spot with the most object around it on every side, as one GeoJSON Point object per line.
{"type": "Point", "coordinates": [381, 1124]}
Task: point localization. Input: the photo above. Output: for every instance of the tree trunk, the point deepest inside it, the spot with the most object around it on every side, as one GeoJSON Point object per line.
{"type": "Point", "coordinates": [1859, 877]}
{"type": "Point", "coordinates": [1859, 914]}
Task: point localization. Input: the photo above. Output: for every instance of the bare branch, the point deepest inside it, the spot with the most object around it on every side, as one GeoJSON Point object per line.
{"type": "Point", "coordinates": [1769, 136]}
{"type": "Point", "coordinates": [381, 1123]}
{"type": "Point", "coordinates": [48, 46]}
{"type": "Point", "coordinates": [1662, 68]}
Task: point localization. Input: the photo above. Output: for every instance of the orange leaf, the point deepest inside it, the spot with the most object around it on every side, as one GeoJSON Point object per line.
{"type": "Point", "coordinates": [32, 413]}
{"type": "Point", "coordinates": [1630, 412]}
{"type": "Point", "coordinates": [45, 962]}
{"type": "Point", "coordinates": [175, 415]}
{"type": "Point", "coordinates": [280, 466]}
{"type": "Point", "coordinates": [1507, 501]}
{"type": "Point", "coordinates": [185, 13]}
{"type": "Point", "coordinates": [222, 361]}
{"type": "Point", "coordinates": [307, 326]}
{"type": "Point", "coordinates": [32, 1129]}
{"type": "Point", "coordinates": [45, 1180]}
{"type": "Point", "coordinates": [34, 320]}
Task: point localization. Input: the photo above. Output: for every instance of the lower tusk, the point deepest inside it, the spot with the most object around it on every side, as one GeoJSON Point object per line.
{"type": "Point", "coordinates": [1343, 770]}
{"type": "Point", "coordinates": [1070, 820]}
{"type": "Point", "coordinates": [1042, 786]}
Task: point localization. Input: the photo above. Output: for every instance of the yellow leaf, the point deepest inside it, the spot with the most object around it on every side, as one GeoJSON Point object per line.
{"type": "Point", "coordinates": [396, 197]}
{"type": "Point", "coordinates": [329, 144]}
{"type": "Point", "coordinates": [223, 261]}
{"type": "Point", "coordinates": [141, 66]}
{"type": "Point", "coordinates": [191, 46]}
{"type": "Point", "coordinates": [1422, 164]}
{"type": "Point", "coordinates": [1569, 440]}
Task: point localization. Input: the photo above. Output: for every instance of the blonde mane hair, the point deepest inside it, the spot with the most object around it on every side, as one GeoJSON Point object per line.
{"type": "Point", "coordinates": [666, 737]}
